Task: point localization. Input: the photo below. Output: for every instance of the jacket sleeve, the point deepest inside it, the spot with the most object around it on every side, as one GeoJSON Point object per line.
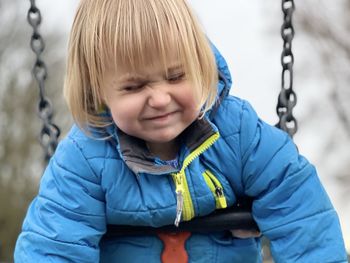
{"type": "Point", "coordinates": [65, 221]}
{"type": "Point", "coordinates": [290, 205]}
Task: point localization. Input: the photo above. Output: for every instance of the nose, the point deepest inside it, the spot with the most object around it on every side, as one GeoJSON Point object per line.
{"type": "Point", "coordinates": [159, 97]}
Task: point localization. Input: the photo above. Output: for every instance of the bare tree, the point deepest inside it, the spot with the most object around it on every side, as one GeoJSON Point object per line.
{"type": "Point", "coordinates": [322, 61]}
{"type": "Point", "coordinates": [21, 158]}
{"type": "Point", "coordinates": [325, 26]}
{"type": "Point", "coordinates": [329, 30]}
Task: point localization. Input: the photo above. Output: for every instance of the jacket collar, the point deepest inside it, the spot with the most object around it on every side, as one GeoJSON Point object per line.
{"type": "Point", "coordinates": [140, 160]}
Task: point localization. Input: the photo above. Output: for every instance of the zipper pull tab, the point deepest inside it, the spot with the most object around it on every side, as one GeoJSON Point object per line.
{"type": "Point", "coordinates": [220, 200]}
{"type": "Point", "coordinates": [219, 191]}
{"type": "Point", "coordinates": [179, 207]}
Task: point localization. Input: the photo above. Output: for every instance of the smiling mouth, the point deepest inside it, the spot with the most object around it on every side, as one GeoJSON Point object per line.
{"type": "Point", "coordinates": [161, 117]}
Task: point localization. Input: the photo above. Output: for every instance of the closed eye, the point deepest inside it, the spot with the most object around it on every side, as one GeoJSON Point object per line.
{"type": "Point", "coordinates": [133, 88]}
{"type": "Point", "coordinates": [175, 78]}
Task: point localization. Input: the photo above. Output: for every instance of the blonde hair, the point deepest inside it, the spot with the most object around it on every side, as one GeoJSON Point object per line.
{"type": "Point", "coordinates": [133, 33]}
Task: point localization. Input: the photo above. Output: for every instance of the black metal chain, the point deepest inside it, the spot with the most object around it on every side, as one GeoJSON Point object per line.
{"type": "Point", "coordinates": [287, 98]}
{"type": "Point", "coordinates": [50, 132]}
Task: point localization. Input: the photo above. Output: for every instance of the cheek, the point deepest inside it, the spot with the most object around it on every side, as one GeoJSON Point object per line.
{"type": "Point", "coordinates": [124, 121]}
{"type": "Point", "coordinates": [125, 111]}
{"type": "Point", "coordinates": [119, 117]}
{"type": "Point", "coordinates": [189, 100]}
{"type": "Point", "coordinates": [191, 110]}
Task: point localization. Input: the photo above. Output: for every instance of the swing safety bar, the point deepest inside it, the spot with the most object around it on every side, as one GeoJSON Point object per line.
{"type": "Point", "coordinates": [220, 220]}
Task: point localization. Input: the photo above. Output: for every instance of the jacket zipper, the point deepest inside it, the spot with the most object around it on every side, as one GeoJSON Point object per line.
{"type": "Point", "coordinates": [184, 205]}
{"type": "Point", "coordinates": [216, 188]}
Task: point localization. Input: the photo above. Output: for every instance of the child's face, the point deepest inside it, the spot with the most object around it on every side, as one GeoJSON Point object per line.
{"type": "Point", "coordinates": [151, 104]}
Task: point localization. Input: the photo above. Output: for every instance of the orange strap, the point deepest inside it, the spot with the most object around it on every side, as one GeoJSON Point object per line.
{"type": "Point", "coordinates": [174, 247]}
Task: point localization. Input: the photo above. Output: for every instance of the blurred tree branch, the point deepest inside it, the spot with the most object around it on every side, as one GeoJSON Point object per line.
{"type": "Point", "coordinates": [329, 31]}
{"type": "Point", "coordinates": [21, 156]}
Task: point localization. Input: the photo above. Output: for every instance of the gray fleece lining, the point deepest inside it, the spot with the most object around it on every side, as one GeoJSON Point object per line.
{"type": "Point", "coordinates": [140, 160]}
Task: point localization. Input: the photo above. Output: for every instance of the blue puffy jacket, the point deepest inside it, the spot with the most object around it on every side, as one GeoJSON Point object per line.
{"type": "Point", "coordinates": [90, 183]}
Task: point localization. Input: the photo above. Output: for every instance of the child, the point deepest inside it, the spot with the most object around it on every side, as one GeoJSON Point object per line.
{"type": "Point", "coordinates": [156, 133]}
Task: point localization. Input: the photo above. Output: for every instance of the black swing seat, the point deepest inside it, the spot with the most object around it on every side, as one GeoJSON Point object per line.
{"type": "Point", "coordinates": [235, 217]}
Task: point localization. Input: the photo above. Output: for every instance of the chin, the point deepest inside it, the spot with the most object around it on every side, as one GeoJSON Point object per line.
{"type": "Point", "coordinates": [162, 138]}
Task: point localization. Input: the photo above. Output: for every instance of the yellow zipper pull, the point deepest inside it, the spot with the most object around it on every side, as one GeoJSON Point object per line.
{"type": "Point", "coordinates": [221, 200]}
{"type": "Point", "coordinates": [216, 188]}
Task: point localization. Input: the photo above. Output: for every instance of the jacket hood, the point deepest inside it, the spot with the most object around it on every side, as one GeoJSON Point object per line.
{"type": "Point", "coordinates": [225, 79]}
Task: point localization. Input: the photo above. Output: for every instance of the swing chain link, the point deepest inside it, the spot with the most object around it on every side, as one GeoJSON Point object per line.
{"type": "Point", "coordinates": [50, 132]}
{"type": "Point", "coordinates": [287, 98]}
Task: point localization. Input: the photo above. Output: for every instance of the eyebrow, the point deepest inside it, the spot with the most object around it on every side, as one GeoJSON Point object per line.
{"type": "Point", "coordinates": [131, 78]}
{"type": "Point", "coordinates": [134, 77]}
{"type": "Point", "coordinates": [174, 68]}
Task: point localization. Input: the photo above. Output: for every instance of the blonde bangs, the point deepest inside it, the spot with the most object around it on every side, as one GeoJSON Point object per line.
{"type": "Point", "coordinates": [134, 34]}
